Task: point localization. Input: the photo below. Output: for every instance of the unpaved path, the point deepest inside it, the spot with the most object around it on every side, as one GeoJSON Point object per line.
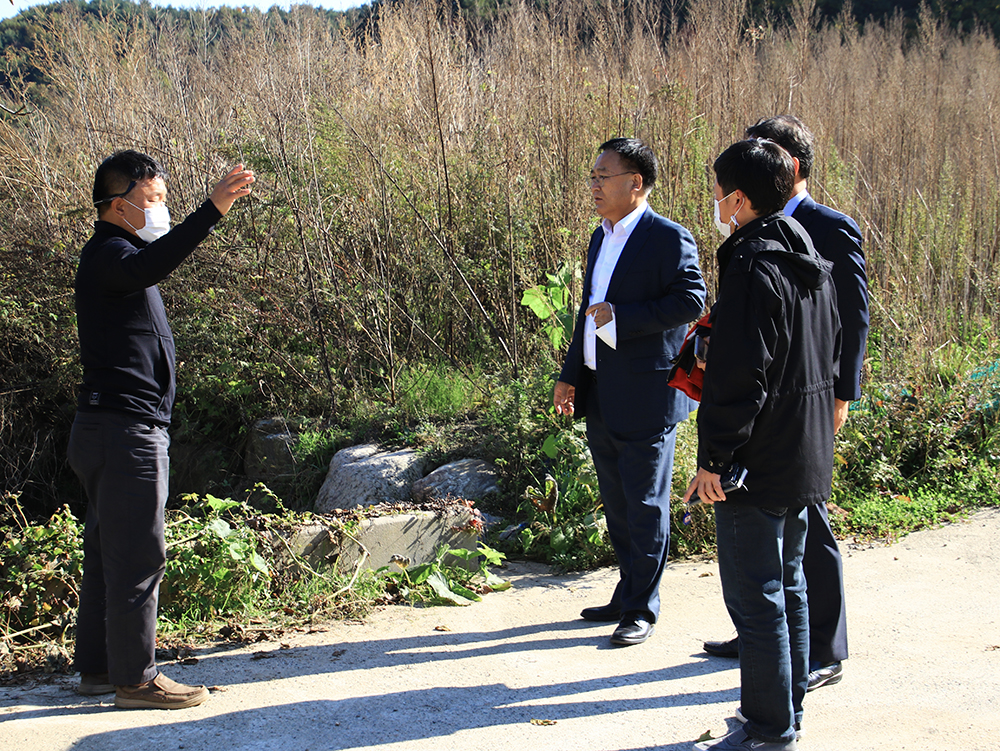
{"type": "Point", "coordinates": [924, 672]}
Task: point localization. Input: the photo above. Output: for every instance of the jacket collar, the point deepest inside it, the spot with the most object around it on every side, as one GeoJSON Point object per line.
{"type": "Point", "coordinates": [107, 229]}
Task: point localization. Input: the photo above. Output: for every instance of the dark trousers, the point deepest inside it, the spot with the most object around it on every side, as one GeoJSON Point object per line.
{"type": "Point", "coordinates": [760, 568]}
{"type": "Point", "coordinates": [824, 571]}
{"type": "Point", "coordinates": [634, 473]}
{"type": "Point", "coordinates": [123, 465]}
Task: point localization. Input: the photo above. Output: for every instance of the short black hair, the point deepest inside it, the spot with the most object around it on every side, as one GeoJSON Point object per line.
{"type": "Point", "coordinates": [760, 168]}
{"type": "Point", "coordinates": [792, 135]}
{"type": "Point", "coordinates": [119, 173]}
{"type": "Point", "coordinates": [636, 155]}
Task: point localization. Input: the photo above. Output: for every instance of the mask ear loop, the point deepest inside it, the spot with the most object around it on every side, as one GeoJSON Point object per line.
{"type": "Point", "coordinates": [118, 195]}
{"type": "Point", "coordinates": [733, 217]}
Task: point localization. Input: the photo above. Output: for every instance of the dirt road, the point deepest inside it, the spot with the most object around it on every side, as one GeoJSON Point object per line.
{"type": "Point", "coordinates": [924, 624]}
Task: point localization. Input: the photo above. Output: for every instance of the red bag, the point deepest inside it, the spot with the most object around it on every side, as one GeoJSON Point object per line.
{"type": "Point", "coordinates": [685, 375]}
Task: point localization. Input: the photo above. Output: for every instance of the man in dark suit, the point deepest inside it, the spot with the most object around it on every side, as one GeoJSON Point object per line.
{"type": "Point", "coordinates": [837, 238]}
{"type": "Point", "coordinates": [642, 287]}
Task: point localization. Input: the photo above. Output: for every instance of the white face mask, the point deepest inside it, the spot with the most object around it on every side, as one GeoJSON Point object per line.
{"type": "Point", "coordinates": [722, 226]}
{"type": "Point", "coordinates": [157, 221]}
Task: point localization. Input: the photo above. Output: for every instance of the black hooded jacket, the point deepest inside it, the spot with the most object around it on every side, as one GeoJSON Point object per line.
{"type": "Point", "coordinates": [768, 399]}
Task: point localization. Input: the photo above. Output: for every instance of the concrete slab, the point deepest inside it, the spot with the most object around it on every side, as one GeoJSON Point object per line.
{"type": "Point", "coordinates": [414, 536]}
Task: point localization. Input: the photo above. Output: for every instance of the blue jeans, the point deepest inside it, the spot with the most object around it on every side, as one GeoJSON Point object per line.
{"type": "Point", "coordinates": [760, 566]}
{"type": "Point", "coordinates": [123, 465]}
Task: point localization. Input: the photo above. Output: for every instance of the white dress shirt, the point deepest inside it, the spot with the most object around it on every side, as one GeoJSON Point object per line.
{"type": "Point", "coordinates": [614, 241]}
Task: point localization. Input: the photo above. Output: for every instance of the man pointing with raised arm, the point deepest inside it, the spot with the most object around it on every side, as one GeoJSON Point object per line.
{"type": "Point", "coordinates": [118, 445]}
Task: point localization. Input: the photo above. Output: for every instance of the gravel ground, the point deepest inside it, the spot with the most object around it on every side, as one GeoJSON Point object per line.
{"type": "Point", "coordinates": [520, 671]}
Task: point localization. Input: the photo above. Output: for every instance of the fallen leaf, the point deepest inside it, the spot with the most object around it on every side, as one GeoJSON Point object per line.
{"type": "Point", "coordinates": [543, 722]}
{"type": "Point", "coordinates": [189, 661]}
{"type": "Point", "coordinates": [441, 628]}
{"type": "Point", "coordinates": [703, 575]}
{"type": "Point", "coordinates": [706, 736]}
{"type": "Point", "coordinates": [217, 689]}
{"type": "Point", "coordinates": [338, 652]}
{"type": "Point", "coordinates": [262, 655]}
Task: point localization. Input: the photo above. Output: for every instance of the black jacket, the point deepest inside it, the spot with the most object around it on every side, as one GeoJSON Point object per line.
{"type": "Point", "coordinates": [773, 359]}
{"type": "Point", "coordinates": [126, 346]}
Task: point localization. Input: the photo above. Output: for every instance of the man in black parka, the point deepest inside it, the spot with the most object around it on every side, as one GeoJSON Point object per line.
{"type": "Point", "coordinates": [767, 404]}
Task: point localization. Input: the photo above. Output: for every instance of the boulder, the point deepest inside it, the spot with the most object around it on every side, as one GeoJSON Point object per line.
{"type": "Point", "coordinates": [269, 451]}
{"type": "Point", "coordinates": [362, 476]}
{"type": "Point", "coordinates": [201, 467]}
{"type": "Point", "coordinates": [470, 479]}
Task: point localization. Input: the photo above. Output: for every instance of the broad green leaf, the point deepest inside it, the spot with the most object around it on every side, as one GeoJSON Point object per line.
{"type": "Point", "coordinates": [560, 540]}
{"type": "Point", "coordinates": [463, 553]}
{"type": "Point", "coordinates": [439, 584]}
{"type": "Point", "coordinates": [418, 574]}
{"type": "Point", "coordinates": [493, 557]}
{"type": "Point", "coordinates": [218, 505]}
{"type": "Point", "coordinates": [538, 301]}
{"type": "Point", "coordinates": [465, 592]}
{"type": "Point", "coordinates": [527, 538]}
{"type": "Point", "coordinates": [259, 563]}
{"type": "Point", "coordinates": [550, 447]}
{"type": "Point", "coordinates": [495, 583]}
{"type": "Point", "coordinates": [556, 336]}
{"type": "Point", "coordinates": [220, 528]}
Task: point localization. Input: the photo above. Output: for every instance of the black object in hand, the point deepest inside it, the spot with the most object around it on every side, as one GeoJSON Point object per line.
{"type": "Point", "coordinates": [732, 479]}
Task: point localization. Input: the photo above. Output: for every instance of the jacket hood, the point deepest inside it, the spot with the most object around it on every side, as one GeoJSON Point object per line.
{"type": "Point", "coordinates": [782, 235]}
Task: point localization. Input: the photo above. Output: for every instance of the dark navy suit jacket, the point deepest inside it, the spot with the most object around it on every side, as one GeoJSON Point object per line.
{"type": "Point", "coordinates": [837, 238]}
{"type": "Point", "coordinates": [656, 290]}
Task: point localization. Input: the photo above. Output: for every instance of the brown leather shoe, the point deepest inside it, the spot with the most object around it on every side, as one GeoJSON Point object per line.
{"type": "Point", "coordinates": [95, 684]}
{"type": "Point", "coordinates": [159, 693]}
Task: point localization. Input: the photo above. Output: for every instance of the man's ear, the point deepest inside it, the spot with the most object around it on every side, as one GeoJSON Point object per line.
{"type": "Point", "coordinates": [117, 206]}
{"type": "Point", "coordinates": [744, 200]}
{"type": "Point", "coordinates": [795, 161]}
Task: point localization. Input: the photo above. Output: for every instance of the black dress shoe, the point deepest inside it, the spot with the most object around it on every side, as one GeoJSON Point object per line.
{"type": "Point", "coordinates": [729, 648]}
{"type": "Point", "coordinates": [603, 613]}
{"type": "Point", "coordinates": [633, 629]}
{"type": "Point", "coordinates": [827, 675]}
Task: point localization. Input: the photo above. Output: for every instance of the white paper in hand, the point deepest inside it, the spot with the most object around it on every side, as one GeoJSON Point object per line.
{"type": "Point", "coordinates": [608, 334]}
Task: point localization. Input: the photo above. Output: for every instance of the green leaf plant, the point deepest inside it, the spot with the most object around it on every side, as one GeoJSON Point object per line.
{"type": "Point", "coordinates": [552, 303]}
{"type": "Point", "coordinates": [441, 582]}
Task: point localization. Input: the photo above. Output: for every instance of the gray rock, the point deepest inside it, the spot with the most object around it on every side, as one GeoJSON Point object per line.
{"type": "Point", "coordinates": [361, 476]}
{"type": "Point", "coordinates": [201, 467]}
{"type": "Point", "coordinates": [470, 479]}
{"type": "Point", "coordinates": [269, 451]}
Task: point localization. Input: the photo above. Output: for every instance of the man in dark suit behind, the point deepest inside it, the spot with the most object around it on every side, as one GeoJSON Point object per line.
{"type": "Point", "coordinates": [838, 239]}
{"type": "Point", "coordinates": [642, 286]}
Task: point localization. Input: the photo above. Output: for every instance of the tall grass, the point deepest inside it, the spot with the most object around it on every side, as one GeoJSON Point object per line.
{"type": "Point", "coordinates": [417, 175]}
